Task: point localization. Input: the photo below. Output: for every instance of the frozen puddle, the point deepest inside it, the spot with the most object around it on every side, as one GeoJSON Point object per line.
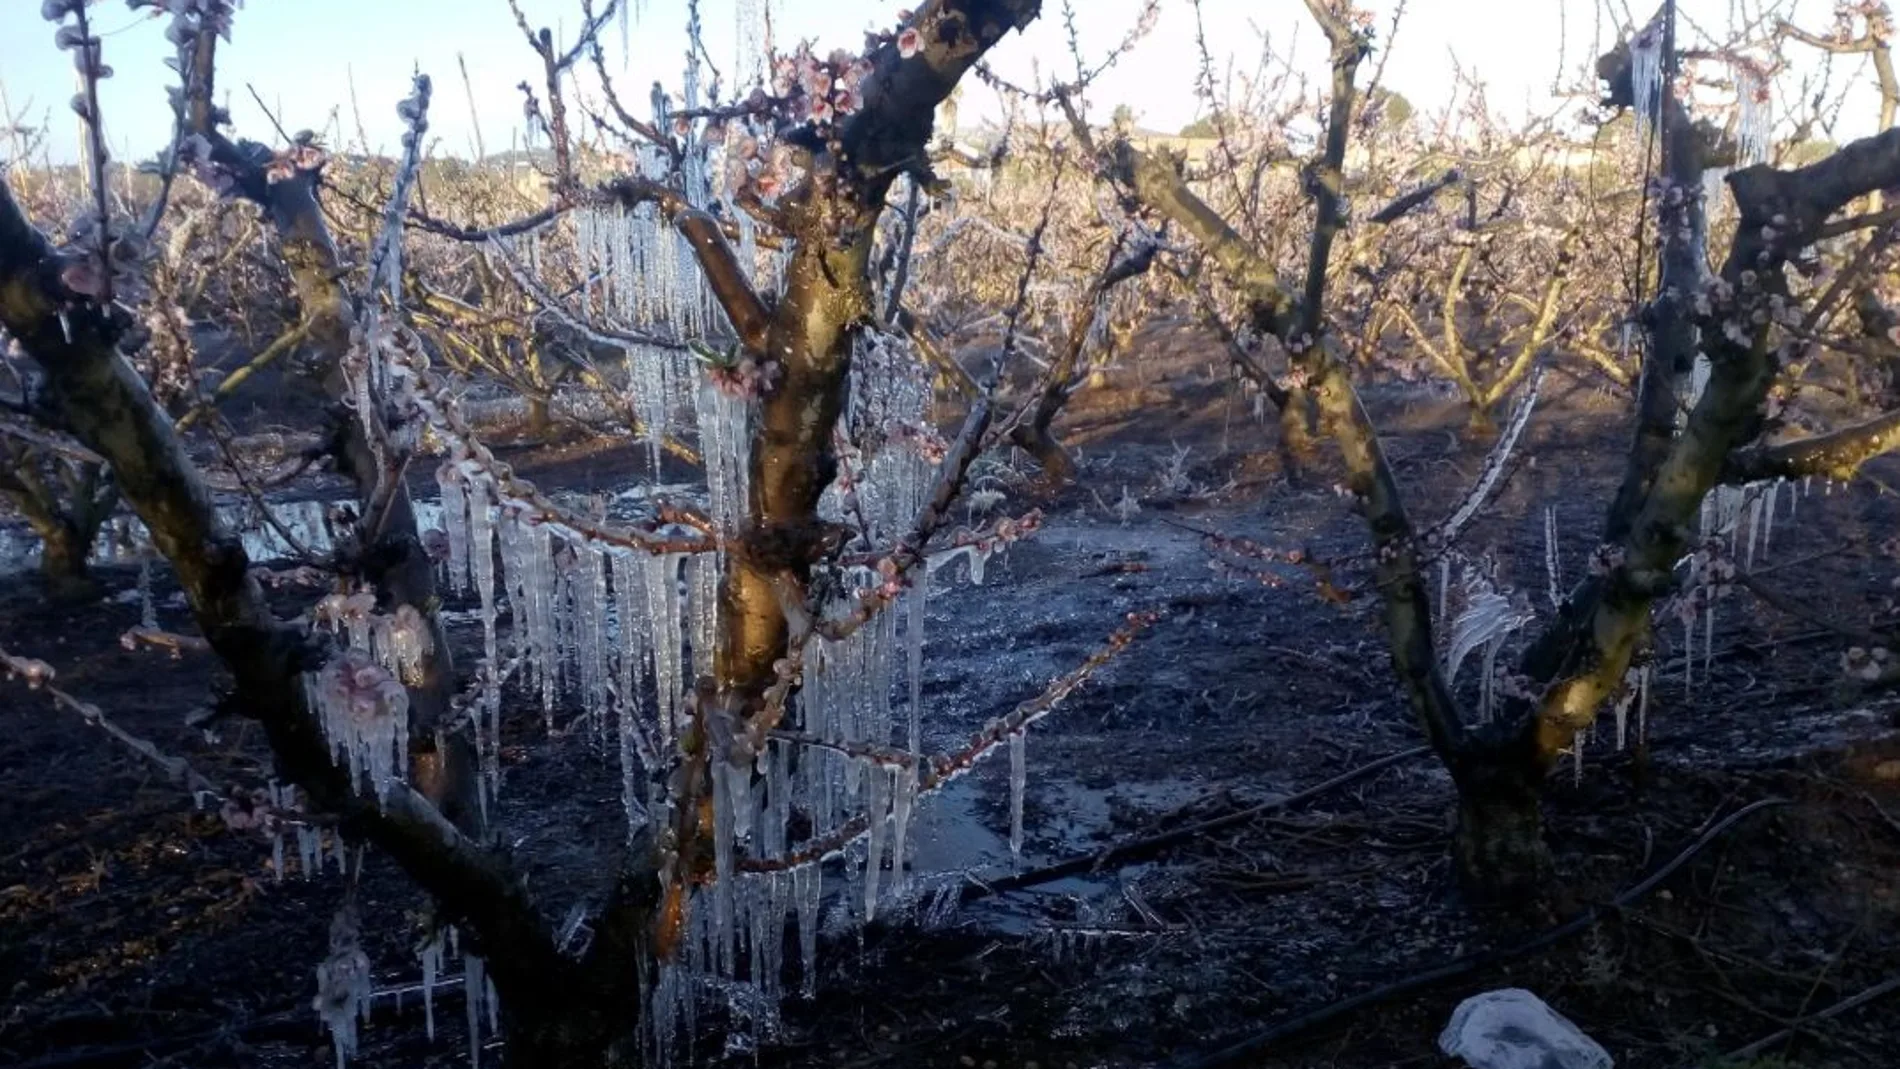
{"type": "Point", "coordinates": [960, 831]}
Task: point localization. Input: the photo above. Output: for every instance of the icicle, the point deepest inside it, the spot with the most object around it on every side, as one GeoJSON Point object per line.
{"type": "Point", "coordinates": [725, 842]}
{"type": "Point", "coordinates": [474, 989]}
{"type": "Point", "coordinates": [877, 812]}
{"type": "Point", "coordinates": [914, 659]}
{"type": "Point", "coordinates": [1767, 515]}
{"type": "Point", "coordinates": [636, 751]}
{"type": "Point", "coordinates": [725, 444]}
{"type": "Point", "coordinates": [481, 565]}
{"type": "Point", "coordinates": [455, 523]}
{"type": "Point", "coordinates": [1708, 640]}
{"type": "Point", "coordinates": [1018, 781]}
{"type": "Point", "coordinates": [590, 642]}
{"type": "Point", "coordinates": [663, 613]}
{"type": "Point", "coordinates": [771, 948]}
{"type": "Point", "coordinates": [1620, 709]}
{"type": "Point", "coordinates": [749, 60]}
{"type": "Point", "coordinates": [702, 609]}
{"type": "Point", "coordinates": [774, 825]}
{"type": "Point", "coordinates": [343, 985]}
{"type": "Point", "coordinates": [309, 851]}
{"type": "Point", "coordinates": [1688, 654]}
{"type": "Point", "coordinates": [431, 955]}
{"type": "Point", "coordinates": [1754, 529]}
{"type": "Point", "coordinates": [1553, 567]}
{"type": "Point", "coordinates": [903, 799]}
{"type": "Point", "coordinates": [807, 890]}
{"type": "Point", "coordinates": [1487, 700]}
{"type": "Point", "coordinates": [1646, 70]}
{"type": "Point", "coordinates": [1642, 705]}
{"type": "Point", "coordinates": [543, 581]}
{"type": "Point", "coordinates": [646, 380]}
{"type": "Point", "coordinates": [1714, 190]}
{"type": "Point", "coordinates": [1753, 120]}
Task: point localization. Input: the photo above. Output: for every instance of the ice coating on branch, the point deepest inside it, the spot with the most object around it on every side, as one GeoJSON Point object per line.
{"type": "Point", "coordinates": [1487, 617]}
{"type": "Point", "coordinates": [365, 715]}
{"type": "Point", "coordinates": [343, 985]}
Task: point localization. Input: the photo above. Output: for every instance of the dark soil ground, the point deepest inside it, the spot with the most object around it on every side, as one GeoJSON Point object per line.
{"type": "Point", "coordinates": [135, 931]}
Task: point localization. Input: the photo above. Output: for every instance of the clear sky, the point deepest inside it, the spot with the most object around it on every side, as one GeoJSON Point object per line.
{"type": "Point", "coordinates": [303, 56]}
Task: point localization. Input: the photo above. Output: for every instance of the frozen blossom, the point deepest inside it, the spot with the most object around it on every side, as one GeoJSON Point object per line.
{"type": "Point", "coordinates": [365, 715]}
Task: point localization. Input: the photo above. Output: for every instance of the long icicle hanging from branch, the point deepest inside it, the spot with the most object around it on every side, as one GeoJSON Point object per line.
{"type": "Point", "coordinates": [1646, 76]}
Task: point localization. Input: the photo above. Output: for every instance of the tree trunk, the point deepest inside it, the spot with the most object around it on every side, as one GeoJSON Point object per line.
{"type": "Point", "coordinates": [1297, 450]}
{"type": "Point", "coordinates": [540, 418]}
{"type": "Point", "coordinates": [574, 1032]}
{"type": "Point", "coordinates": [1058, 468]}
{"type": "Point", "coordinates": [1499, 847]}
{"type": "Point", "coordinates": [64, 553]}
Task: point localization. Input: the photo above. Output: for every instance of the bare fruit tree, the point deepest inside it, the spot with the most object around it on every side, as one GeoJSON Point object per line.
{"type": "Point", "coordinates": [1698, 431]}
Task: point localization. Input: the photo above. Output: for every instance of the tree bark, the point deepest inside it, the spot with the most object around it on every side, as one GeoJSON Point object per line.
{"type": "Point", "coordinates": [1058, 468]}
{"type": "Point", "coordinates": [1499, 846]}
{"type": "Point", "coordinates": [540, 418]}
{"type": "Point", "coordinates": [65, 551]}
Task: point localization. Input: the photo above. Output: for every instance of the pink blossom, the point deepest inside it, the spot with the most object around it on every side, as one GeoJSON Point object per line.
{"type": "Point", "coordinates": [84, 278]}
{"type": "Point", "coordinates": [909, 43]}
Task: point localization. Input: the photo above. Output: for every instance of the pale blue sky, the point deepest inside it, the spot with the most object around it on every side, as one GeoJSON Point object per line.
{"type": "Point", "coordinates": [302, 55]}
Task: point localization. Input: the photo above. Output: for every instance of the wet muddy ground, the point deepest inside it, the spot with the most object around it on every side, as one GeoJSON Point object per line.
{"type": "Point", "coordinates": [135, 931]}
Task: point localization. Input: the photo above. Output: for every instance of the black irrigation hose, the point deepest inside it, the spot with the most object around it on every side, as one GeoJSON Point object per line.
{"type": "Point", "coordinates": [1458, 967]}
